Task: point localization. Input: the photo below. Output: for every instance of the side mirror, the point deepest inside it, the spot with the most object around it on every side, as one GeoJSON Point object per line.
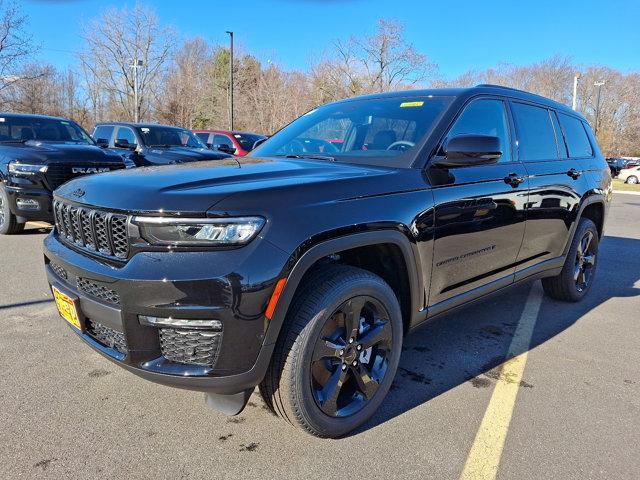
{"type": "Point", "coordinates": [102, 142]}
{"type": "Point", "coordinates": [122, 143]}
{"type": "Point", "coordinates": [209, 145]}
{"type": "Point", "coordinates": [257, 143]}
{"type": "Point", "coordinates": [226, 148]}
{"type": "Point", "coordinates": [469, 150]}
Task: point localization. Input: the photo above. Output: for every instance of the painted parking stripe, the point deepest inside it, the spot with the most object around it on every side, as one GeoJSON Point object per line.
{"type": "Point", "coordinates": [484, 457]}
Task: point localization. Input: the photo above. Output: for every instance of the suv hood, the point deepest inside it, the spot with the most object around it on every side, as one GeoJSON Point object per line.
{"type": "Point", "coordinates": [37, 152]}
{"type": "Point", "coordinates": [195, 188]}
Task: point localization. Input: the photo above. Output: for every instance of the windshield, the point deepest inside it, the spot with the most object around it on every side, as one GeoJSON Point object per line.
{"type": "Point", "coordinates": [246, 140]}
{"type": "Point", "coordinates": [169, 137]}
{"type": "Point", "coordinates": [376, 131]}
{"type": "Point", "coordinates": [22, 129]}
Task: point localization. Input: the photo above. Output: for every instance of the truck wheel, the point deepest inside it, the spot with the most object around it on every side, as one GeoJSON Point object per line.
{"type": "Point", "coordinates": [632, 179]}
{"type": "Point", "coordinates": [8, 222]}
{"type": "Point", "coordinates": [579, 269]}
{"type": "Point", "coordinates": [338, 352]}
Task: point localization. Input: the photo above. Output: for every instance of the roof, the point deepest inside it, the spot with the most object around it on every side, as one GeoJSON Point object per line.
{"type": "Point", "coordinates": [232, 132]}
{"type": "Point", "coordinates": [32, 115]}
{"type": "Point", "coordinates": [469, 92]}
{"type": "Point", "coordinates": [139, 125]}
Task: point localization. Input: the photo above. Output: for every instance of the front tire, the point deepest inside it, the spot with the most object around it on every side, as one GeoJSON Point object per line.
{"type": "Point", "coordinates": [632, 180]}
{"type": "Point", "coordinates": [579, 268]}
{"type": "Point", "coordinates": [8, 222]}
{"type": "Point", "coordinates": [338, 352]}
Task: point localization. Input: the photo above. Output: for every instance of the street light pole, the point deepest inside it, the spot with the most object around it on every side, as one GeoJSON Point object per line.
{"type": "Point", "coordinates": [231, 82]}
{"type": "Point", "coordinates": [136, 111]}
{"type": "Point", "coordinates": [599, 85]}
{"type": "Point", "coordinates": [574, 101]}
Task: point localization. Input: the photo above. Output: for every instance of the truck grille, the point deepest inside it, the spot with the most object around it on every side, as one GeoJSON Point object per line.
{"type": "Point", "coordinates": [196, 347]}
{"type": "Point", "coordinates": [59, 173]}
{"type": "Point", "coordinates": [107, 336]}
{"type": "Point", "coordinates": [92, 230]}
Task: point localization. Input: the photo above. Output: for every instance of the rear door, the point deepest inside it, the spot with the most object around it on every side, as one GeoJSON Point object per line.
{"type": "Point", "coordinates": [556, 182]}
{"type": "Point", "coordinates": [479, 213]}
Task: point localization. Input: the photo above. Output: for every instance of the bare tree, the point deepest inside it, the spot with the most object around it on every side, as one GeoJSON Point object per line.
{"type": "Point", "coordinates": [16, 44]}
{"type": "Point", "coordinates": [114, 42]}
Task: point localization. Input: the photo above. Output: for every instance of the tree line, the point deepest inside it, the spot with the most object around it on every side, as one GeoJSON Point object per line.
{"type": "Point", "coordinates": [185, 82]}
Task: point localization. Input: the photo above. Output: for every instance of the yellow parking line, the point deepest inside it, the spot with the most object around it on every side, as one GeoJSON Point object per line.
{"type": "Point", "coordinates": [484, 457]}
{"type": "Point", "coordinates": [40, 224]}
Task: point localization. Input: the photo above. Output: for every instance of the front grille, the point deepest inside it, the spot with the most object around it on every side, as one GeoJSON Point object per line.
{"type": "Point", "coordinates": [92, 230]}
{"type": "Point", "coordinates": [107, 336]}
{"type": "Point", "coordinates": [98, 290]}
{"type": "Point", "coordinates": [59, 173]}
{"type": "Point", "coordinates": [58, 270]}
{"type": "Point", "coordinates": [196, 347]}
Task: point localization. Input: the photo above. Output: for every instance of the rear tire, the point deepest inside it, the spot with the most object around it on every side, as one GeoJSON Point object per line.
{"type": "Point", "coordinates": [632, 180]}
{"type": "Point", "coordinates": [317, 379]}
{"type": "Point", "coordinates": [579, 269]}
{"type": "Point", "coordinates": [9, 224]}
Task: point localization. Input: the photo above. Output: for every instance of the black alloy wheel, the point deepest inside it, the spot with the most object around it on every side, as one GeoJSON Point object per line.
{"type": "Point", "coordinates": [351, 356]}
{"type": "Point", "coordinates": [585, 261]}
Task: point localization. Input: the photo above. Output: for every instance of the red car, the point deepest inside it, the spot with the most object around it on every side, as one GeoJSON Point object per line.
{"type": "Point", "coordinates": [236, 143]}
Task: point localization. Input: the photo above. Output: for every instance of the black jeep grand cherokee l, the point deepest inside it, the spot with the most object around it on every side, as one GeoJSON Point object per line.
{"type": "Point", "coordinates": [300, 267]}
{"type": "Point", "coordinates": [37, 155]}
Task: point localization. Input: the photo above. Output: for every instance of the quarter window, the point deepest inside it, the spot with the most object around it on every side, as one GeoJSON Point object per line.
{"type": "Point", "coordinates": [576, 136]}
{"type": "Point", "coordinates": [536, 138]}
{"type": "Point", "coordinates": [485, 117]}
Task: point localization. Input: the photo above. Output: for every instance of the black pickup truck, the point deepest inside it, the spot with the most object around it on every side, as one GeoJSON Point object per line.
{"type": "Point", "coordinates": [37, 155]}
{"type": "Point", "coordinates": [147, 144]}
{"type": "Point", "coordinates": [301, 267]}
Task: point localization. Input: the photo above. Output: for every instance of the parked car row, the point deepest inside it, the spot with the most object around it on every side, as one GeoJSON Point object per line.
{"type": "Point", "coordinates": [40, 153]}
{"type": "Point", "coordinates": [616, 165]}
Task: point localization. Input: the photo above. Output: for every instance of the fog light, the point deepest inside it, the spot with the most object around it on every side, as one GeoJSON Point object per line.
{"type": "Point", "coordinates": [180, 323]}
{"type": "Point", "coordinates": [27, 204]}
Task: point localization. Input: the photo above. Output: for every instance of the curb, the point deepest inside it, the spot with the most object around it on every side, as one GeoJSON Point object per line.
{"type": "Point", "coordinates": [626, 193]}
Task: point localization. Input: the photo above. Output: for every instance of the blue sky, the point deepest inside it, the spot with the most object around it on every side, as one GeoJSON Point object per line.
{"type": "Point", "coordinates": [458, 36]}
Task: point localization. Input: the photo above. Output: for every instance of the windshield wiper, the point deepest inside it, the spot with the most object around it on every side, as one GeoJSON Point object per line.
{"type": "Point", "coordinates": [311, 156]}
{"type": "Point", "coordinates": [162, 145]}
{"type": "Point", "coordinates": [14, 141]}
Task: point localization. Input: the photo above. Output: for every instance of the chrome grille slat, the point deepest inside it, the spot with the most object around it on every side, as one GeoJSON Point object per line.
{"type": "Point", "coordinates": [93, 230]}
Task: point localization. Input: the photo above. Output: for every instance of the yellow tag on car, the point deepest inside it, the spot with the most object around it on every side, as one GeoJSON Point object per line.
{"type": "Point", "coordinates": [411, 104]}
{"type": "Point", "coordinates": [66, 308]}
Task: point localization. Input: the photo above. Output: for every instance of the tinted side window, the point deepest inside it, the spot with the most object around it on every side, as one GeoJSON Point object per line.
{"type": "Point", "coordinates": [103, 132]}
{"type": "Point", "coordinates": [485, 117]}
{"type": "Point", "coordinates": [222, 140]}
{"type": "Point", "coordinates": [576, 137]}
{"type": "Point", "coordinates": [536, 138]}
{"type": "Point", "coordinates": [203, 136]}
{"type": "Point", "coordinates": [127, 134]}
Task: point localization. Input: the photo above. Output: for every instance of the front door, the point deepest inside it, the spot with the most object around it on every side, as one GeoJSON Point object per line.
{"type": "Point", "coordinates": [479, 213]}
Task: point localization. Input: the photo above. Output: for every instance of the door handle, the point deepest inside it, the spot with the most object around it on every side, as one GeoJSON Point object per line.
{"type": "Point", "coordinates": [573, 173]}
{"type": "Point", "coordinates": [513, 179]}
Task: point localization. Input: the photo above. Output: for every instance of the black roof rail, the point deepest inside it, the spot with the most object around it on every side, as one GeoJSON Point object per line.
{"type": "Point", "coordinates": [491, 85]}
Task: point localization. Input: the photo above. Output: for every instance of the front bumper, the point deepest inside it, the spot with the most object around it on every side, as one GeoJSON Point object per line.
{"type": "Point", "coordinates": [20, 197]}
{"type": "Point", "coordinates": [231, 286]}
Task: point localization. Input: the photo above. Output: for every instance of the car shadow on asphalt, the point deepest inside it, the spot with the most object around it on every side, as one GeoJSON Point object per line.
{"type": "Point", "coordinates": [471, 344]}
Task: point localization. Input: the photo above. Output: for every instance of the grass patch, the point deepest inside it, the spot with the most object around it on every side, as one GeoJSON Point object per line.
{"type": "Point", "coordinates": [625, 187]}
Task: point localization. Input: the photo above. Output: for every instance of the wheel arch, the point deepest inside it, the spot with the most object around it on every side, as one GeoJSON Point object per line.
{"type": "Point", "coordinates": [314, 255]}
{"type": "Point", "coordinates": [593, 207]}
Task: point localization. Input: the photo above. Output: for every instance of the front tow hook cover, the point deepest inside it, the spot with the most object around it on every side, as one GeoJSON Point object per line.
{"type": "Point", "coordinates": [228, 404]}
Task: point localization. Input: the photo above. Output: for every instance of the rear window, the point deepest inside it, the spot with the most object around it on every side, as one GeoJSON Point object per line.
{"type": "Point", "coordinates": [575, 136]}
{"type": "Point", "coordinates": [536, 138]}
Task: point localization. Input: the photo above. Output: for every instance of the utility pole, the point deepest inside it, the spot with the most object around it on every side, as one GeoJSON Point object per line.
{"type": "Point", "coordinates": [574, 102]}
{"type": "Point", "coordinates": [136, 111]}
{"type": "Point", "coordinates": [599, 85]}
{"type": "Point", "coordinates": [231, 82]}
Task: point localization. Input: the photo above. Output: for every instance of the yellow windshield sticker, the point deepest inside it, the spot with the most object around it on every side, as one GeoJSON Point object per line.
{"type": "Point", "coordinates": [411, 104]}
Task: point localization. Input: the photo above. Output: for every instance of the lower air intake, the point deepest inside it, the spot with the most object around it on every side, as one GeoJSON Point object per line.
{"type": "Point", "coordinates": [195, 347]}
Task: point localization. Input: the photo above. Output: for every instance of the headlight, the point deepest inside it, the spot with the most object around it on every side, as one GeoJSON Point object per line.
{"type": "Point", "coordinates": [26, 169]}
{"type": "Point", "coordinates": [198, 231]}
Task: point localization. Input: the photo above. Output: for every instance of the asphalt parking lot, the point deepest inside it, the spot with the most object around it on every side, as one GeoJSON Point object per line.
{"type": "Point", "coordinates": [66, 412]}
